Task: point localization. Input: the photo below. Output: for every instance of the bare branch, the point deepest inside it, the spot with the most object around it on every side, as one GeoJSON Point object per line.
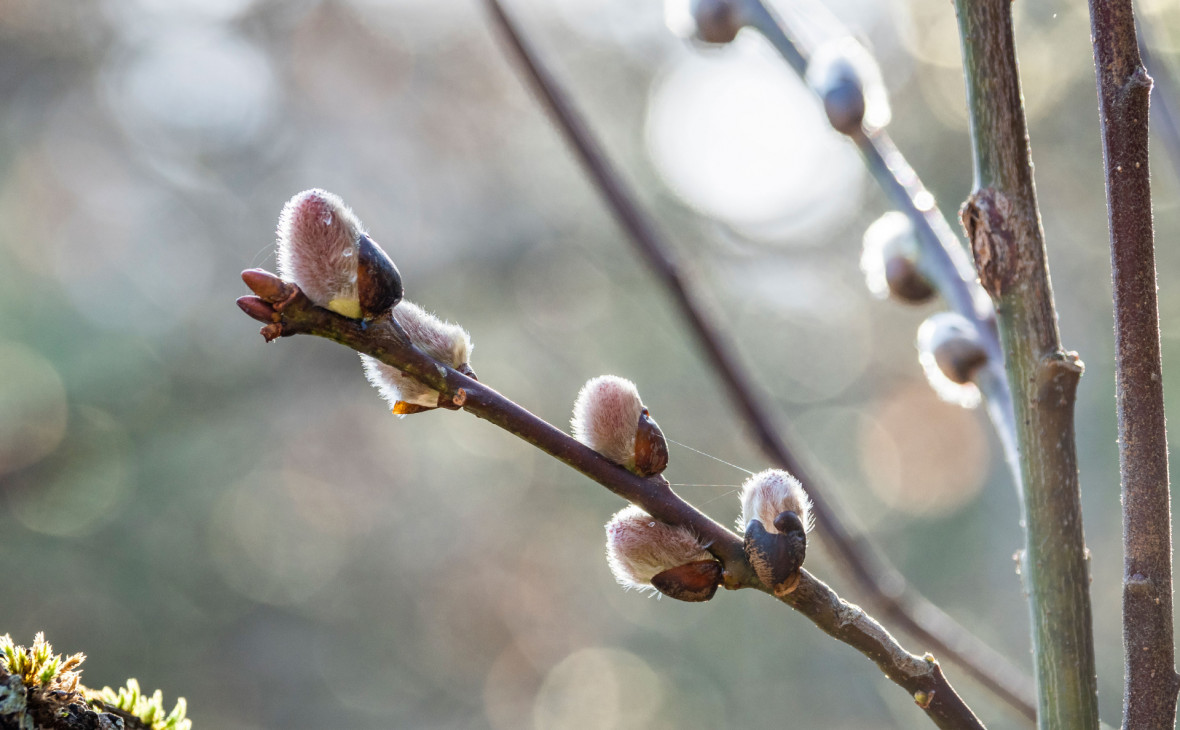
{"type": "Point", "coordinates": [1151, 684]}
{"type": "Point", "coordinates": [285, 310]}
{"type": "Point", "coordinates": [1004, 227]}
{"type": "Point", "coordinates": [885, 588]}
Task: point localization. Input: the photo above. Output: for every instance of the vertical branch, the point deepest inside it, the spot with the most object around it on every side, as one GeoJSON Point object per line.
{"type": "Point", "coordinates": [1124, 88]}
{"type": "Point", "coordinates": [886, 589]}
{"type": "Point", "coordinates": [1004, 227]}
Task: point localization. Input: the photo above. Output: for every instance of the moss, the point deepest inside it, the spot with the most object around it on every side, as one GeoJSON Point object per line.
{"type": "Point", "coordinates": [150, 710]}
{"type": "Point", "coordinates": [40, 690]}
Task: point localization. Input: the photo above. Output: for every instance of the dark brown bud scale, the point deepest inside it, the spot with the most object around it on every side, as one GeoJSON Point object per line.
{"type": "Point", "coordinates": [379, 283]}
{"type": "Point", "coordinates": [844, 103]}
{"type": "Point", "coordinates": [906, 282]}
{"type": "Point", "coordinates": [959, 359]}
{"type": "Point", "coordinates": [651, 449]}
{"type": "Point", "coordinates": [777, 556]}
{"type": "Point", "coordinates": [717, 21]}
{"type": "Point", "coordinates": [692, 582]}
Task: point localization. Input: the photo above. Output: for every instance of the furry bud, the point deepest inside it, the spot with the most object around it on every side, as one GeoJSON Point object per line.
{"type": "Point", "coordinates": [323, 247]}
{"type": "Point", "coordinates": [609, 417]}
{"type": "Point", "coordinates": [890, 260]}
{"type": "Point", "coordinates": [647, 554]}
{"type": "Point", "coordinates": [711, 21]}
{"type": "Point", "coordinates": [847, 79]}
{"type": "Point", "coordinates": [951, 352]}
{"type": "Point", "coordinates": [445, 342]}
{"type": "Point", "coordinates": [768, 494]}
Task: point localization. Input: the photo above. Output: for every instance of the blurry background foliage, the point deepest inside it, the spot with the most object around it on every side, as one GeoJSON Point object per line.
{"type": "Point", "coordinates": [249, 527]}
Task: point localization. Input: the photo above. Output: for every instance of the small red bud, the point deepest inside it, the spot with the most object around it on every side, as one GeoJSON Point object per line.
{"type": "Point", "coordinates": [257, 309]}
{"type": "Point", "coordinates": [266, 285]}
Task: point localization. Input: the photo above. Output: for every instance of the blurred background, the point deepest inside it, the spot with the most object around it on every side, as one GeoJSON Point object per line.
{"type": "Point", "coordinates": [248, 526]}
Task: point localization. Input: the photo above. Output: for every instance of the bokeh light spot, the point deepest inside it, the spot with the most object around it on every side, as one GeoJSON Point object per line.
{"type": "Point", "coordinates": [739, 137]}
{"type": "Point", "coordinates": [596, 689]}
{"type": "Point", "coordinates": [921, 456]}
{"type": "Point", "coordinates": [33, 411]}
{"type": "Point", "coordinates": [82, 487]}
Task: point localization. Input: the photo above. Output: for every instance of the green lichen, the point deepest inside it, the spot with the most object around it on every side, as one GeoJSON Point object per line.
{"type": "Point", "coordinates": [150, 710]}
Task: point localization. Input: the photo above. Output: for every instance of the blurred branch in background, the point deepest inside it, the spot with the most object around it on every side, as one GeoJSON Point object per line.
{"type": "Point", "coordinates": [286, 311]}
{"type": "Point", "coordinates": [885, 588]}
{"type": "Point", "coordinates": [944, 261]}
{"type": "Point", "coordinates": [1124, 89]}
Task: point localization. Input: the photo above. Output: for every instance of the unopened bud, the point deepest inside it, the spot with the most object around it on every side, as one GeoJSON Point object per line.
{"type": "Point", "coordinates": [890, 260]}
{"type": "Point", "coordinates": [711, 21]}
{"type": "Point", "coordinates": [647, 554]}
{"type": "Point", "coordinates": [777, 554]}
{"type": "Point", "coordinates": [610, 418]}
{"type": "Point", "coordinates": [445, 342]}
{"type": "Point", "coordinates": [951, 353]}
{"type": "Point", "coordinates": [323, 248]}
{"type": "Point", "coordinates": [847, 79]}
{"type": "Point", "coordinates": [768, 494]}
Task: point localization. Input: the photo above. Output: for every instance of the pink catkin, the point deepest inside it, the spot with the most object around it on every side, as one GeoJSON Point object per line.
{"type": "Point", "coordinates": [767, 493]}
{"type": "Point", "coordinates": [606, 417]}
{"type": "Point", "coordinates": [317, 238]}
{"type": "Point", "coordinates": [639, 547]}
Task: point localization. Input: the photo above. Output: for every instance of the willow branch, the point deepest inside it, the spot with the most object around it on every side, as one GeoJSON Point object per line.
{"type": "Point", "coordinates": [1151, 684]}
{"type": "Point", "coordinates": [1004, 226]}
{"type": "Point", "coordinates": [885, 589]}
{"type": "Point", "coordinates": [287, 311]}
{"type": "Point", "coordinates": [945, 260]}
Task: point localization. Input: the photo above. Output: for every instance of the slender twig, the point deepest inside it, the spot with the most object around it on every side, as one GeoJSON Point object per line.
{"type": "Point", "coordinates": [1163, 98]}
{"type": "Point", "coordinates": [287, 311]}
{"type": "Point", "coordinates": [885, 588]}
{"type": "Point", "coordinates": [1124, 88]}
{"type": "Point", "coordinates": [1004, 226]}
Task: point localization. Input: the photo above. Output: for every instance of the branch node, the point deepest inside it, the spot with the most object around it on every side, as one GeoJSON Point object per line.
{"type": "Point", "coordinates": [987, 217]}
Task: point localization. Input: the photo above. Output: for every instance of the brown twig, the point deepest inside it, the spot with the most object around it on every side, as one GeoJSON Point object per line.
{"type": "Point", "coordinates": [1003, 225]}
{"type": "Point", "coordinates": [286, 311]}
{"type": "Point", "coordinates": [885, 588]}
{"type": "Point", "coordinates": [1151, 684]}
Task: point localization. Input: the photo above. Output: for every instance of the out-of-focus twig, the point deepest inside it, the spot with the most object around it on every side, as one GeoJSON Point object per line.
{"type": "Point", "coordinates": [285, 310]}
{"type": "Point", "coordinates": [885, 588]}
{"type": "Point", "coordinates": [948, 265]}
{"type": "Point", "coordinates": [1124, 88]}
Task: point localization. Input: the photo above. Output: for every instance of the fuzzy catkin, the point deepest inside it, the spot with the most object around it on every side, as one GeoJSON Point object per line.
{"type": "Point", "coordinates": [770, 492]}
{"type": "Point", "coordinates": [317, 249]}
{"type": "Point", "coordinates": [606, 417]}
{"type": "Point", "coordinates": [640, 547]}
{"type": "Point", "coordinates": [444, 341]}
